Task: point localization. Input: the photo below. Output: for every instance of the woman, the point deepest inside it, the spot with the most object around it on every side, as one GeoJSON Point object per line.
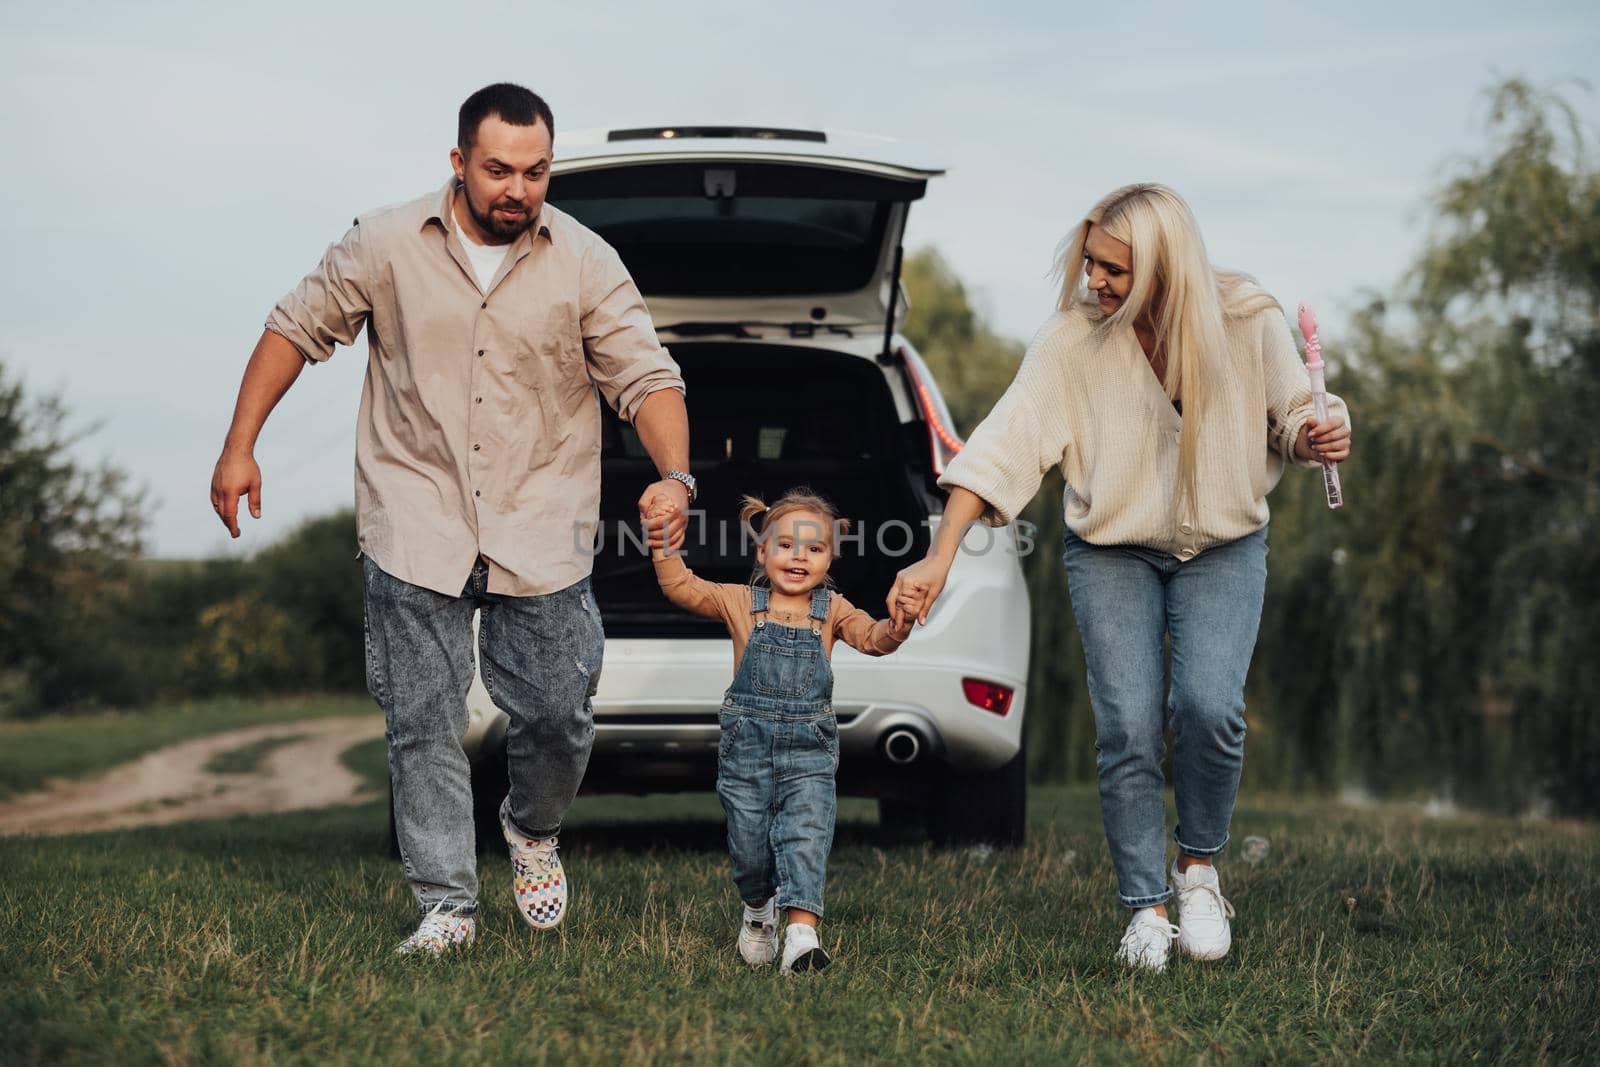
{"type": "Point", "coordinates": [1171, 395]}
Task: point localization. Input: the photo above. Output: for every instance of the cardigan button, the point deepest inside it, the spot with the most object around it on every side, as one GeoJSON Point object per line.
{"type": "Point", "coordinates": [1186, 528]}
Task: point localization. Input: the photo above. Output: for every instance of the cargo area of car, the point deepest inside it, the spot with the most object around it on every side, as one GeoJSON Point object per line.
{"type": "Point", "coordinates": [765, 418]}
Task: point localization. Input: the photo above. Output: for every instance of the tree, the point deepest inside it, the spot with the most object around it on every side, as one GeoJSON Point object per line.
{"type": "Point", "coordinates": [1447, 618]}
{"type": "Point", "coordinates": [971, 362]}
{"type": "Point", "coordinates": [66, 533]}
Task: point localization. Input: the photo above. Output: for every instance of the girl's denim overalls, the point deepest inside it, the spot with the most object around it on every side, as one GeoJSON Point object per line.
{"type": "Point", "coordinates": [777, 759]}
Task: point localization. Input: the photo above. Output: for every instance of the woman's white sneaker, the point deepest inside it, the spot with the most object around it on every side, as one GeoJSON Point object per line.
{"type": "Point", "coordinates": [1203, 913]}
{"type": "Point", "coordinates": [440, 931]}
{"type": "Point", "coordinates": [758, 934]}
{"type": "Point", "coordinates": [1147, 942]}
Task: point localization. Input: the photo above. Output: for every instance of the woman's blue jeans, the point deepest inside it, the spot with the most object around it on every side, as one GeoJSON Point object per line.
{"type": "Point", "coordinates": [1127, 599]}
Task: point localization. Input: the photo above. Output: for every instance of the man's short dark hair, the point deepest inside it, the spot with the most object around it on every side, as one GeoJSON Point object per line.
{"type": "Point", "coordinates": [514, 105]}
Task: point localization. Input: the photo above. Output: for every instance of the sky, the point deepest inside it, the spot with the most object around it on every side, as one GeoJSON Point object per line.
{"type": "Point", "coordinates": [173, 168]}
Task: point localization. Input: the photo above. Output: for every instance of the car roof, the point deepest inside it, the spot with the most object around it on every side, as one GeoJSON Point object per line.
{"type": "Point", "coordinates": [622, 146]}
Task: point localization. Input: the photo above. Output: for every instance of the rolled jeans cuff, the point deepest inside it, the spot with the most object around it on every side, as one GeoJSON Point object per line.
{"type": "Point", "coordinates": [1190, 850]}
{"type": "Point", "coordinates": [454, 907]}
{"type": "Point", "coordinates": [554, 831]}
{"type": "Point", "coordinates": [1146, 902]}
{"type": "Point", "coordinates": [804, 905]}
{"type": "Point", "coordinates": [519, 828]}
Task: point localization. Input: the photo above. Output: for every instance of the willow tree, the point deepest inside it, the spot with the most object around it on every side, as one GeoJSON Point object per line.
{"type": "Point", "coordinates": [1442, 631]}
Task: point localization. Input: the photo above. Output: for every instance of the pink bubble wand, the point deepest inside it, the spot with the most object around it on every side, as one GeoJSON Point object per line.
{"type": "Point", "coordinates": [1319, 399]}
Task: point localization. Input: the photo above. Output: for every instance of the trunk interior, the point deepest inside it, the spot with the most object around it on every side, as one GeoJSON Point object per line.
{"type": "Point", "coordinates": [765, 418]}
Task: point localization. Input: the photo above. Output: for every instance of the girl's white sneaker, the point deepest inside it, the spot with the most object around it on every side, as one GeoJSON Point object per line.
{"type": "Point", "coordinates": [801, 952]}
{"type": "Point", "coordinates": [758, 934]}
{"type": "Point", "coordinates": [1147, 942]}
{"type": "Point", "coordinates": [1203, 913]}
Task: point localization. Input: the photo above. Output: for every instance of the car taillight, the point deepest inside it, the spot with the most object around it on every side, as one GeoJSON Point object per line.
{"type": "Point", "coordinates": [990, 696]}
{"type": "Point", "coordinates": [942, 439]}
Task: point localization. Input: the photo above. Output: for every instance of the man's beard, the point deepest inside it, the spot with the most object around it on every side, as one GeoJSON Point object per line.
{"type": "Point", "coordinates": [499, 227]}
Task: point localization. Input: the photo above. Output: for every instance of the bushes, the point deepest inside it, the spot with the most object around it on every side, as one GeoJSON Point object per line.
{"type": "Point", "coordinates": [241, 644]}
{"type": "Point", "coordinates": [288, 620]}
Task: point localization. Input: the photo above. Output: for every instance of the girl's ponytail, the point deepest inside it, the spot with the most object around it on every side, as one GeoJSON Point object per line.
{"type": "Point", "coordinates": [749, 508]}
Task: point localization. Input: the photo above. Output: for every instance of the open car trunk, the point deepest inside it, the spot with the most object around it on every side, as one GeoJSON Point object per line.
{"type": "Point", "coordinates": [765, 418]}
{"type": "Point", "coordinates": [717, 235]}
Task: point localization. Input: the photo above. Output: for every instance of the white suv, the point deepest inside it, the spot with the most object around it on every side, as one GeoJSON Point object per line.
{"type": "Point", "coordinates": [770, 259]}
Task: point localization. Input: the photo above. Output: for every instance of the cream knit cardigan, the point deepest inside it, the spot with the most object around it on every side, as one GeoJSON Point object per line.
{"type": "Point", "coordinates": [1086, 400]}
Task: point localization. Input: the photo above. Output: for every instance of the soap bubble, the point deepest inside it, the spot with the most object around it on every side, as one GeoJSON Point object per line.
{"type": "Point", "coordinates": [1255, 849]}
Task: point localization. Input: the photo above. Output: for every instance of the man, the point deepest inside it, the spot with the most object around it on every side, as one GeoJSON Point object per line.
{"type": "Point", "coordinates": [492, 318]}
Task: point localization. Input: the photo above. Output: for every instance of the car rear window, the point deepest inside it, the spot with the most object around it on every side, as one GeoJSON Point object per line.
{"type": "Point", "coordinates": [736, 228]}
{"type": "Point", "coordinates": [740, 245]}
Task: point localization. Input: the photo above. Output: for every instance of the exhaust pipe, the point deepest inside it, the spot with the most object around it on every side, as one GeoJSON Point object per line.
{"type": "Point", "coordinates": [902, 746]}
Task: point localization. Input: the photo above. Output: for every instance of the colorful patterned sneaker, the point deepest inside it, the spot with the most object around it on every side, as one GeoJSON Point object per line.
{"type": "Point", "coordinates": [1147, 942]}
{"type": "Point", "coordinates": [538, 881]}
{"type": "Point", "coordinates": [801, 952]}
{"type": "Point", "coordinates": [1203, 914]}
{"type": "Point", "coordinates": [441, 930]}
{"type": "Point", "coordinates": [758, 934]}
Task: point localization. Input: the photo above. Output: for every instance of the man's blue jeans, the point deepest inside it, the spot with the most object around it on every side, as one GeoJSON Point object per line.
{"type": "Point", "coordinates": [1127, 599]}
{"type": "Point", "coordinates": [540, 659]}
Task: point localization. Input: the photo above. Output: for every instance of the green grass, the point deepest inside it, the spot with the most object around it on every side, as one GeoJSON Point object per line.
{"type": "Point", "coordinates": [370, 759]}
{"type": "Point", "coordinates": [76, 746]}
{"type": "Point", "coordinates": [248, 759]}
{"type": "Point", "coordinates": [267, 941]}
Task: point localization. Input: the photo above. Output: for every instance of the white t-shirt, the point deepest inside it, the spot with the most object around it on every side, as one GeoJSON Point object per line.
{"type": "Point", "coordinates": [485, 259]}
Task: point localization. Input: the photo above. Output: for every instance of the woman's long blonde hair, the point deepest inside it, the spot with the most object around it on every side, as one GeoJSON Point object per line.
{"type": "Point", "coordinates": [1175, 288]}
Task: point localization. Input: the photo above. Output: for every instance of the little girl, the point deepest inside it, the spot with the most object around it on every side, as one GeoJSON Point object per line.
{"type": "Point", "coordinates": [780, 744]}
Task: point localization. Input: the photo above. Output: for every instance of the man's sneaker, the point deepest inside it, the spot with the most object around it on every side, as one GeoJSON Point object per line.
{"type": "Point", "coordinates": [1203, 914]}
{"type": "Point", "coordinates": [1147, 941]}
{"type": "Point", "coordinates": [758, 934]}
{"type": "Point", "coordinates": [801, 952]}
{"type": "Point", "coordinates": [538, 881]}
{"type": "Point", "coordinates": [441, 930]}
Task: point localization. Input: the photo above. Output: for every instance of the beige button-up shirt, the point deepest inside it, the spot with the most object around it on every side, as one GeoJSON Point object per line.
{"type": "Point", "coordinates": [479, 431]}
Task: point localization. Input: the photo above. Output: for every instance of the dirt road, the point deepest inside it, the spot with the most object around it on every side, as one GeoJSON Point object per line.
{"type": "Point", "coordinates": [172, 784]}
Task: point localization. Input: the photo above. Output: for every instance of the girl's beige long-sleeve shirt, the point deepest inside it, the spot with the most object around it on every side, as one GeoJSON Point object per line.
{"type": "Point", "coordinates": [731, 603]}
{"type": "Point", "coordinates": [1086, 400]}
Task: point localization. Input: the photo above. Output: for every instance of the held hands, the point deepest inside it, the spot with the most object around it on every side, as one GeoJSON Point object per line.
{"type": "Point", "coordinates": [900, 627]}
{"type": "Point", "coordinates": [1327, 440]}
{"type": "Point", "coordinates": [236, 475]}
{"type": "Point", "coordinates": [664, 511]}
{"type": "Point", "coordinates": [914, 591]}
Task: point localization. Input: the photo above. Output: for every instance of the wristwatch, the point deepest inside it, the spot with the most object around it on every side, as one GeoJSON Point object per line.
{"type": "Point", "coordinates": [686, 480]}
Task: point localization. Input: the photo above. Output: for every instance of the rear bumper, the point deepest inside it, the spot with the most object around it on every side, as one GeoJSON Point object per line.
{"type": "Point", "coordinates": [646, 733]}
{"type": "Point", "coordinates": [930, 706]}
